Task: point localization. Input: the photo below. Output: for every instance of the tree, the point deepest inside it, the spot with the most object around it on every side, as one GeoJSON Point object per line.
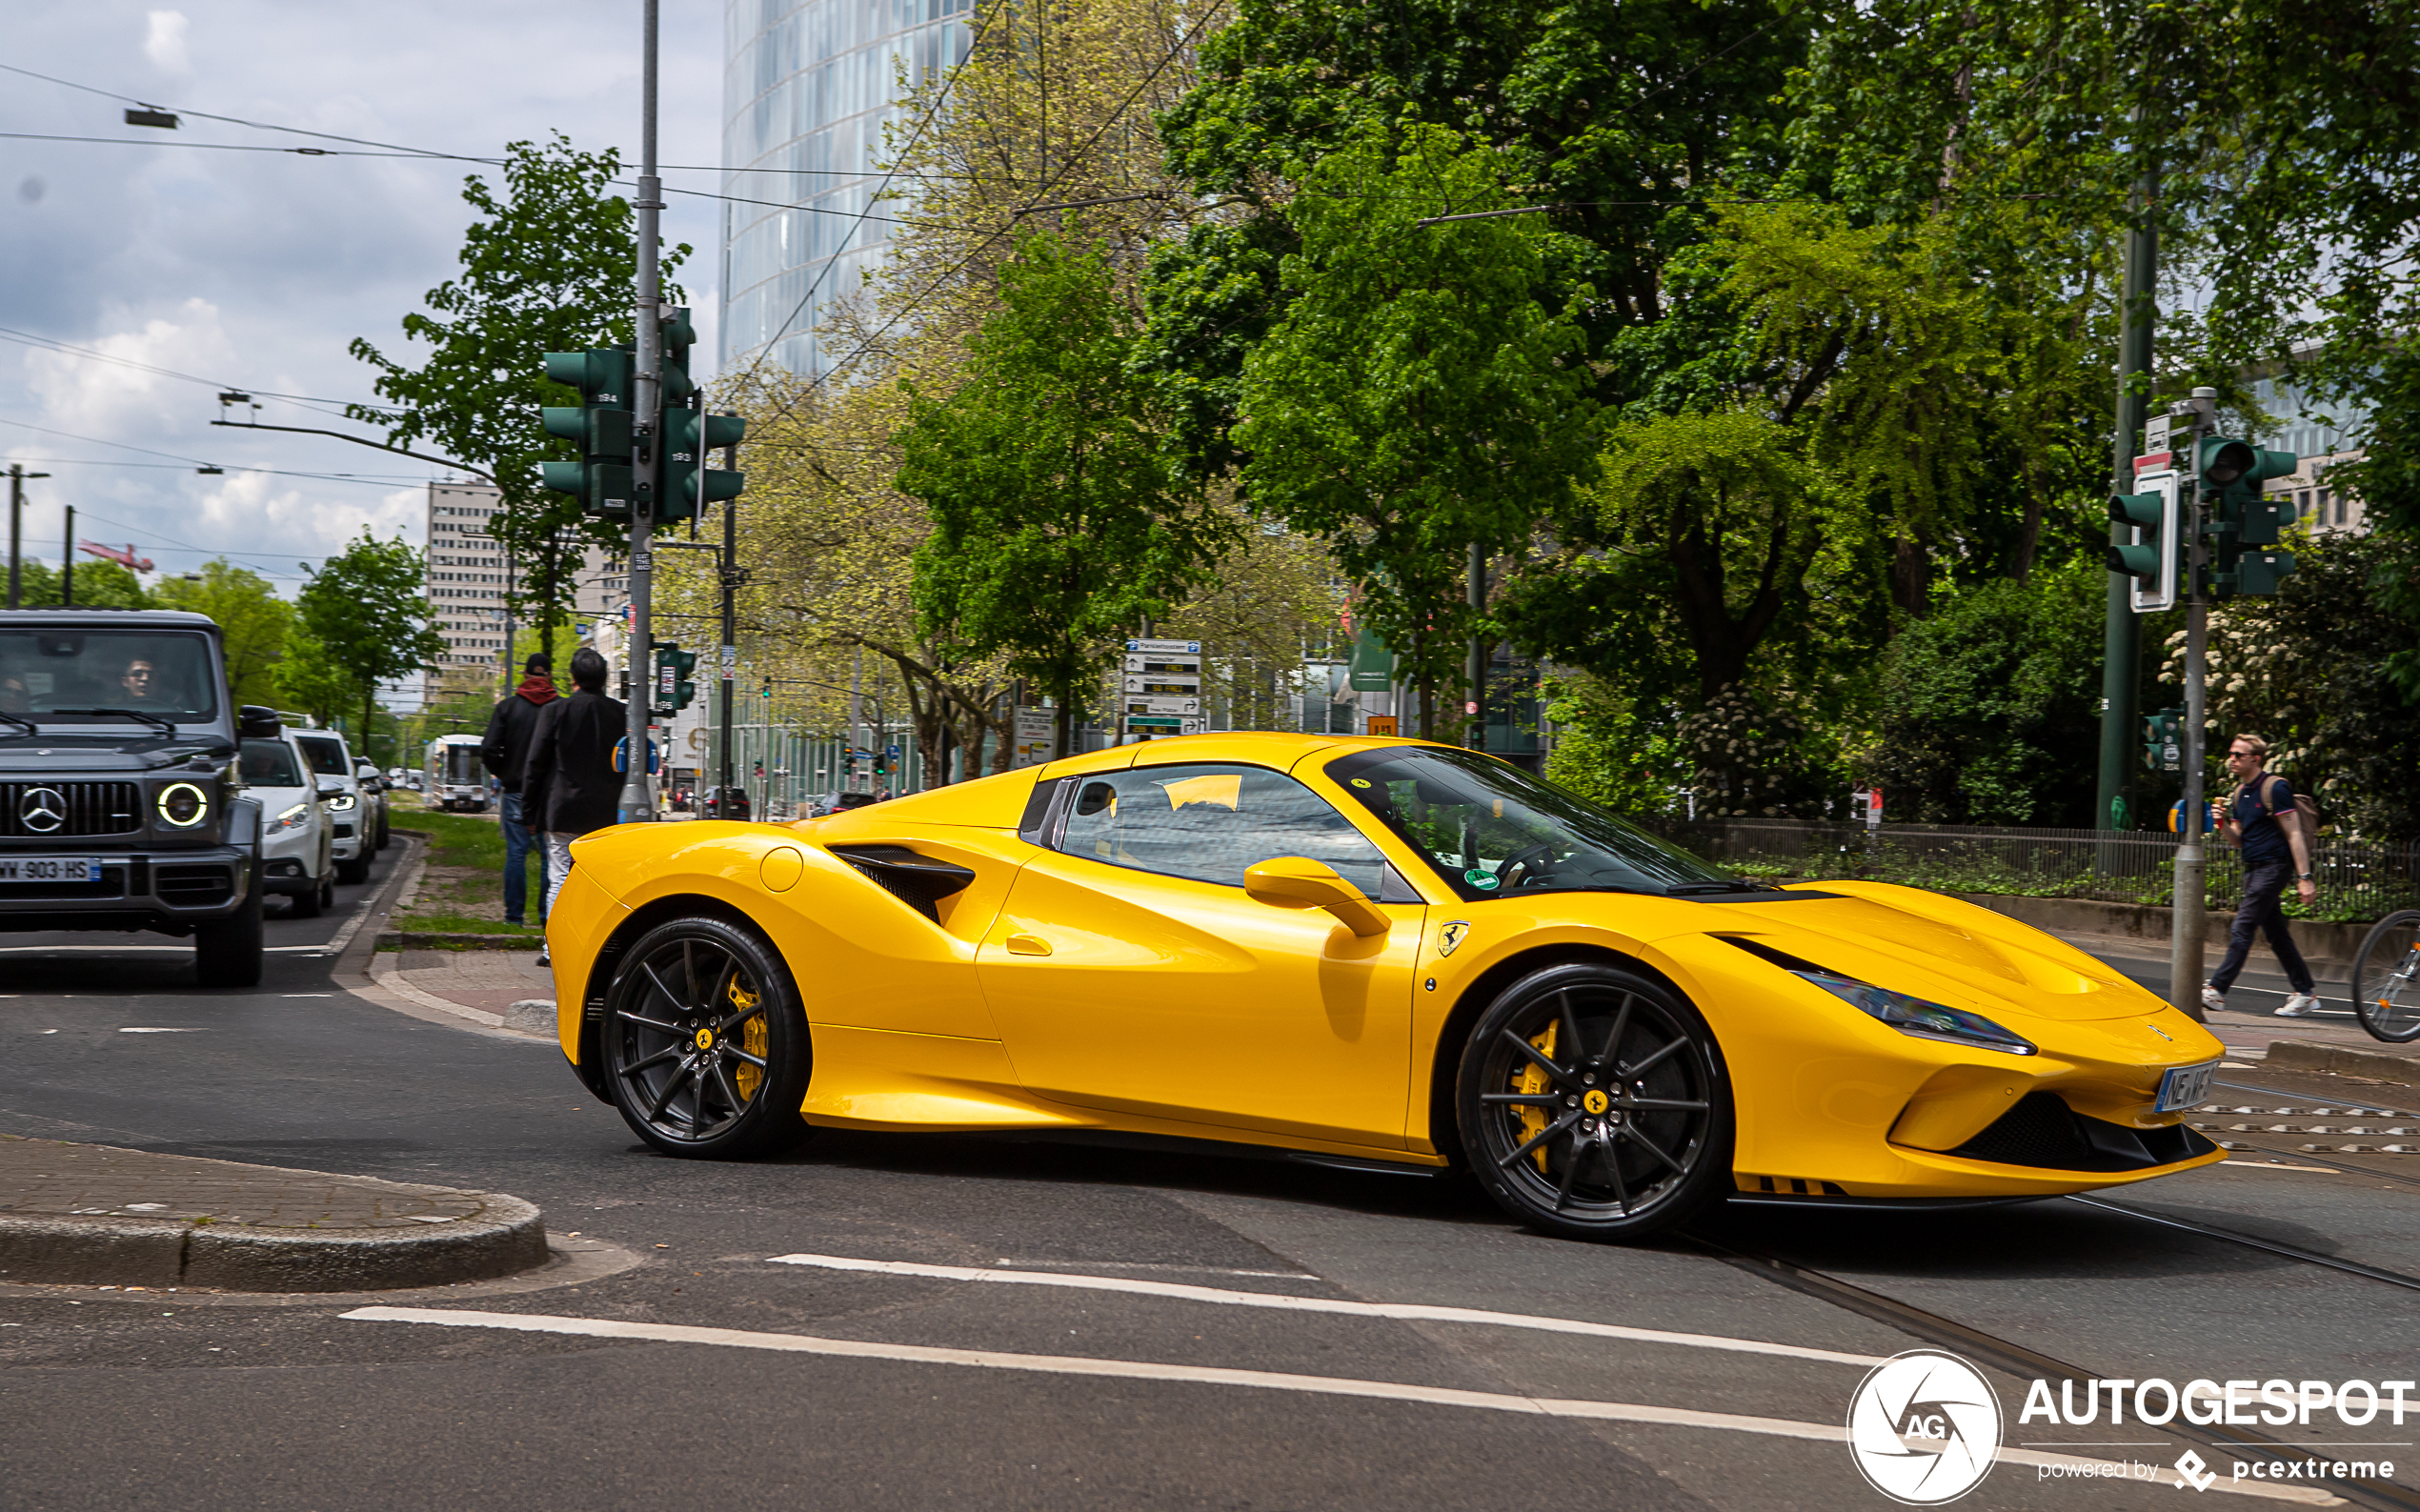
{"type": "Point", "coordinates": [1059, 520]}
{"type": "Point", "coordinates": [253, 622]}
{"type": "Point", "coordinates": [1417, 399]}
{"type": "Point", "coordinates": [363, 613]}
{"type": "Point", "coordinates": [529, 286]}
{"type": "Point", "coordinates": [98, 585]}
{"type": "Point", "coordinates": [310, 680]}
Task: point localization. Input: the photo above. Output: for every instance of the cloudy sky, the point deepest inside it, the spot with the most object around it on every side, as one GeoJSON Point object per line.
{"type": "Point", "coordinates": [253, 270]}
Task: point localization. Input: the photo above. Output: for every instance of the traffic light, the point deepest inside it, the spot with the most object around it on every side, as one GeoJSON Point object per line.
{"type": "Point", "coordinates": [2154, 557]}
{"type": "Point", "coordinates": [2164, 740]}
{"type": "Point", "coordinates": [600, 424]}
{"type": "Point", "coordinates": [684, 453]}
{"type": "Point", "coordinates": [674, 690]}
{"type": "Point", "coordinates": [2242, 515]}
{"type": "Point", "coordinates": [768, 689]}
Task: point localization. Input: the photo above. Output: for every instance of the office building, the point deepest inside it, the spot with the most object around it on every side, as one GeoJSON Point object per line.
{"type": "Point", "coordinates": [807, 87]}
{"type": "Point", "coordinates": [468, 576]}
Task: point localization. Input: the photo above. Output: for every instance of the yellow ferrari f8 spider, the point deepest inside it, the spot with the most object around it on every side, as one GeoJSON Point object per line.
{"type": "Point", "coordinates": [1363, 952]}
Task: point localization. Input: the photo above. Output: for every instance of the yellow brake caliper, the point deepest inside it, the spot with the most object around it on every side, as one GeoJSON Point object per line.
{"type": "Point", "coordinates": [752, 1037]}
{"type": "Point", "coordinates": [1530, 1082]}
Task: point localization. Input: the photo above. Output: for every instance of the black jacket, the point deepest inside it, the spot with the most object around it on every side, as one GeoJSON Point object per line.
{"type": "Point", "coordinates": [569, 785]}
{"type": "Point", "coordinates": [506, 747]}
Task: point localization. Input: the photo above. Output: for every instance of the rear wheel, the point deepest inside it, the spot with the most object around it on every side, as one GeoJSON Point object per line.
{"type": "Point", "coordinates": [1593, 1103]}
{"type": "Point", "coordinates": [227, 951]}
{"type": "Point", "coordinates": [2385, 978]}
{"type": "Point", "coordinates": [704, 1042]}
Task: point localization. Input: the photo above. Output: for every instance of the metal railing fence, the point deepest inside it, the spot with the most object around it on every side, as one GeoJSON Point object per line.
{"type": "Point", "coordinates": [2356, 882]}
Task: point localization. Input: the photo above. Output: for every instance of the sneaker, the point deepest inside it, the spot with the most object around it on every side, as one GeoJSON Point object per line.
{"type": "Point", "coordinates": [541, 958]}
{"type": "Point", "coordinates": [2301, 1005]}
{"type": "Point", "coordinates": [2212, 998]}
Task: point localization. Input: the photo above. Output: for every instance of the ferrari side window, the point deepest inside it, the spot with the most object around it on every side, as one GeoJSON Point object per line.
{"type": "Point", "coordinates": [1211, 822]}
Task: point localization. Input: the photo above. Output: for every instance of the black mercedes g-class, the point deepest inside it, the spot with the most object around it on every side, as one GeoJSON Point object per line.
{"type": "Point", "coordinates": [120, 806]}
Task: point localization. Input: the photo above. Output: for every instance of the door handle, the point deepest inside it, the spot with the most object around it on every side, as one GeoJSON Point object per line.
{"type": "Point", "coordinates": [1027, 945]}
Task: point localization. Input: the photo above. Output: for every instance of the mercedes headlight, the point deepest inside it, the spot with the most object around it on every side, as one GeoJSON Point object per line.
{"type": "Point", "coordinates": [340, 802]}
{"type": "Point", "coordinates": [293, 819]}
{"type": "Point", "coordinates": [1925, 1021]}
{"type": "Point", "coordinates": [182, 805]}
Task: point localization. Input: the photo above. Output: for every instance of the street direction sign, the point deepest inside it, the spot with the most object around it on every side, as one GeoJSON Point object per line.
{"type": "Point", "coordinates": [1185, 683]}
{"type": "Point", "coordinates": [1159, 705]}
{"type": "Point", "coordinates": [1170, 648]}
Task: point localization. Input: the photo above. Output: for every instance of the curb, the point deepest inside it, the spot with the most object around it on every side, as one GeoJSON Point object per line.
{"type": "Point", "coordinates": [2302, 1055]}
{"type": "Point", "coordinates": [415, 940]}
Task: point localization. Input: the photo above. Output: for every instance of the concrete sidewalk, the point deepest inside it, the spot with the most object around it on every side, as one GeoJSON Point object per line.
{"type": "Point", "coordinates": [88, 1214]}
{"type": "Point", "coordinates": [506, 990]}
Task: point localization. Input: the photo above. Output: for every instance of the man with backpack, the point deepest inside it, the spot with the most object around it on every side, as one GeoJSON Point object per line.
{"type": "Point", "coordinates": [2272, 830]}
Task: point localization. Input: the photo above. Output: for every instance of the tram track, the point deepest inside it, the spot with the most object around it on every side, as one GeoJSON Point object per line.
{"type": "Point", "coordinates": [2021, 1361]}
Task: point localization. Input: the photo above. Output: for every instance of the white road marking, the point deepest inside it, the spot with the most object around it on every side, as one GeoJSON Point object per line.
{"type": "Point", "coordinates": [159, 1031]}
{"type": "Point", "coordinates": [1212, 1376]}
{"type": "Point", "coordinates": [1409, 1311]}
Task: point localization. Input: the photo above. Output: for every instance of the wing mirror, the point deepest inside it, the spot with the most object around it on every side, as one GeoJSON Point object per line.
{"type": "Point", "coordinates": [330, 787]}
{"type": "Point", "coordinates": [1296, 881]}
{"type": "Point", "coordinates": [257, 723]}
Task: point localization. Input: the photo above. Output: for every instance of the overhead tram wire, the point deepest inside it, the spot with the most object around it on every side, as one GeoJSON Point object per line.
{"type": "Point", "coordinates": [53, 344]}
{"type": "Point", "coordinates": [190, 461]}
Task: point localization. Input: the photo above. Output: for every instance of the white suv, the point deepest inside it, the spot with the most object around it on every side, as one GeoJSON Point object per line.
{"type": "Point", "coordinates": [348, 812]}
{"type": "Point", "coordinates": [295, 853]}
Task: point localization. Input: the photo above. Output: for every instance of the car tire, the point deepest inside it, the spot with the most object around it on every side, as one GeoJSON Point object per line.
{"type": "Point", "coordinates": [704, 1043]}
{"type": "Point", "coordinates": [312, 903]}
{"type": "Point", "coordinates": [385, 837]}
{"type": "Point", "coordinates": [355, 872]}
{"type": "Point", "coordinates": [227, 951]}
{"type": "Point", "coordinates": [1627, 1138]}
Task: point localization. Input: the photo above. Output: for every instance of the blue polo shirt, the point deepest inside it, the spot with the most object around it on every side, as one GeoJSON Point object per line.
{"type": "Point", "coordinates": [2256, 810]}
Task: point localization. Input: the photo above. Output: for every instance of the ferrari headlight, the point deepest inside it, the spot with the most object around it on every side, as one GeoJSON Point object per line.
{"type": "Point", "coordinates": [293, 818]}
{"type": "Point", "coordinates": [340, 802]}
{"type": "Point", "coordinates": [1925, 1021]}
{"type": "Point", "coordinates": [182, 805]}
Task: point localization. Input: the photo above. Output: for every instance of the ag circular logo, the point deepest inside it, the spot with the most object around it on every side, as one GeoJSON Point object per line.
{"type": "Point", "coordinates": [1923, 1427]}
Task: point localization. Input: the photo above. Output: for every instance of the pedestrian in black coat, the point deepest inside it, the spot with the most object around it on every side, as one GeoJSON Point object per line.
{"type": "Point", "coordinates": [569, 780]}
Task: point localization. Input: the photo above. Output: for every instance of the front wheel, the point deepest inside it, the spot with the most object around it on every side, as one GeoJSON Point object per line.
{"type": "Point", "coordinates": [227, 951]}
{"type": "Point", "coordinates": [1593, 1103]}
{"type": "Point", "coordinates": [705, 1044]}
{"type": "Point", "coordinates": [2385, 978]}
{"type": "Point", "coordinates": [355, 872]}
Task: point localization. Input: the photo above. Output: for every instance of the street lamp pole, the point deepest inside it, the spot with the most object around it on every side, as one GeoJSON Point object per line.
{"type": "Point", "coordinates": [637, 803]}
{"type": "Point", "coordinates": [17, 475]}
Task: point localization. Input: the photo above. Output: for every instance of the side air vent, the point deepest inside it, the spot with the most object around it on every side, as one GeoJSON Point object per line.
{"type": "Point", "coordinates": [1779, 958]}
{"type": "Point", "coordinates": [2043, 1132]}
{"type": "Point", "coordinates": [920, 881]}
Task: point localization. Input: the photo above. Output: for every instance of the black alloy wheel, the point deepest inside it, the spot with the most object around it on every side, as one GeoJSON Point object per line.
{"type": "Point", "coordinates": [1593, 1103]}
{"type": "Point", "coordinates": [704, 1042]}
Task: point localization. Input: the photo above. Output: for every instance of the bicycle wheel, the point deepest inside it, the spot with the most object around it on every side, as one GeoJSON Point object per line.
{"type": "Point", "coordinates": [2385, 978]}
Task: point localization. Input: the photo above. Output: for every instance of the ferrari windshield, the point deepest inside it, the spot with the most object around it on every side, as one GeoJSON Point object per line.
{"type": "Point", "coordinates": [1490, 828]}
{"type": "Point", "coordinates": [167, 675]}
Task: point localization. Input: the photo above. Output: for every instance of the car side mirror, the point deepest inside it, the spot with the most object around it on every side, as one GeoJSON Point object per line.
{"type": "Point", "coordinates": [256, 722]}
{"type": "Point", "coordinates": [1296, 881]}
{"type": "Point", "coordinates": [330, 787]}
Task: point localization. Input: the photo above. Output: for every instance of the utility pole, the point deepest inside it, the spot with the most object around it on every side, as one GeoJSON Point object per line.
{"type": "Point", "coordinates": [17, 475]}
{"type": "Point", "coordinates": [1475, 735]}
{"type": "Point", "coordinates": [729, 652]}
{"type": "Point", "coordinates": [66, 563]}
{"type": "Point", "coordinates": [2186, 903]}
{"type": "Point", "coordinates": [638, 801]}
{"type": "Point", "coordinates": [2121, 643]}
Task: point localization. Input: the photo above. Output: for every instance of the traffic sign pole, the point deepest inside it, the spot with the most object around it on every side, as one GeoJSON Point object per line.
{"type": "Point", "coordinates": [637, 803]}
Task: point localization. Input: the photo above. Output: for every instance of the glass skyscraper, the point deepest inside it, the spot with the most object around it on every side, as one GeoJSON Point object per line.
{"type": "Point", "coordinates": [806, 90]}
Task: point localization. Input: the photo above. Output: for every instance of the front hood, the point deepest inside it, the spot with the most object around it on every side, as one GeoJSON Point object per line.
{"type": "Point", "coordinates": [67, 758]}
{"type": "Point", "coordinates": [1941, 948]}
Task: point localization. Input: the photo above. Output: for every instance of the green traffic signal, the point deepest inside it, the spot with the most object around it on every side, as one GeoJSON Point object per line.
{"type": "Point", "coordinates": [599, 426]}
{"type": "Point", "coordinates": [2147, 513]}
{"type": "Point", "coordinates": [2164, 740]}
{"type": "Point", "coordinates": [2219, 461]}
{"type": "Point", "coordinates": [2246, 515]}
{"type": "Point", "coordinates": [688, 435]}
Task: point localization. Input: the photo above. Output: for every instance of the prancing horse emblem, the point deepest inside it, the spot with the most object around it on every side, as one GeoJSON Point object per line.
{"type": "Point", "coordinates": [43, 810]}
{"type": "Point", "coordinates": [1451, 935]}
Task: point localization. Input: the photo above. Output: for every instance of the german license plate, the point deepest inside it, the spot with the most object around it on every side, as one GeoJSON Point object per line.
{"type": "Point", "coordinates": [49, 869]}
{"type": "Point", "coordinates": [2185, 1087]}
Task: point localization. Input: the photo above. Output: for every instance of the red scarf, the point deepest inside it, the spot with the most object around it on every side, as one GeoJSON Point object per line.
{"type": "Point", "coordinates": [538, 688]}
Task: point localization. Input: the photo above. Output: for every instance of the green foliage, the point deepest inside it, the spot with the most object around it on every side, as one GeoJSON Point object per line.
{"type": "Point", "coordinates": [1755, 756]}
{"type": "Point", "coordinates": [97, 585]}
{"type": "Point", "coordinates": [1059, 521]}
{"type": "Point", "coordinates": [1608, 748]}
{"type": "Point", "coordinates": [1988, 710]}
{"type": "Point", "coordinates": [551, 268]}
{"type": "Point", "coordinates": [1416, 398]}
{"type": "Point", "coordinates": [253, 622]}
{"type": "Point", "coordinates": [362, 617]}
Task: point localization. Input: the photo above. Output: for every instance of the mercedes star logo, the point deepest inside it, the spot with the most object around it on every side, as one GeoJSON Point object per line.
{"type": "Point", "coordinates": [43, 810]}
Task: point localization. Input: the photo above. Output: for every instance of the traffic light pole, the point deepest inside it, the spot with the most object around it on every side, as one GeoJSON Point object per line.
{"type": "Point", "coordinates": [726, 669]}
{"type": "Point", "coordinates": [2188, 900]}
{"type": "Point", "coordinates": [637, 803]}
{"type": "Point", "coordinates": [2120, 646]}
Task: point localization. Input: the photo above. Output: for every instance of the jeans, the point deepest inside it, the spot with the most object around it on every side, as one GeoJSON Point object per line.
{"type": "Point", "coordinates": [517, 846]}
{"type": "Point", "coordinates": [2264, 883]}
{"type": "Point", "coordinates": [558, 863]}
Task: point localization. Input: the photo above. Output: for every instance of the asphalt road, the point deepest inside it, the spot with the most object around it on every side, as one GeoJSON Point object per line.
{"type": "Point", "coordinates": [1116, 1397]}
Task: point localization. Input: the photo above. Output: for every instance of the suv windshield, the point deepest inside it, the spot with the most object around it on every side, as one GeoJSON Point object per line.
{"type": "Point", "coordinates": [326, 754]}
{"type": "Point", "coordinates": [269, 764]}
{"type": "Point", "coordinates": [1490, 828]}
{"type": "Point", "coordinates": [166, 673]}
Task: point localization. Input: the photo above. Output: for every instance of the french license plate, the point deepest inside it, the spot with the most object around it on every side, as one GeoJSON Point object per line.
{"type": "Point", "coordinates": [49, 869]}
{"type": "Point", "coordinates": [2185, 1087]}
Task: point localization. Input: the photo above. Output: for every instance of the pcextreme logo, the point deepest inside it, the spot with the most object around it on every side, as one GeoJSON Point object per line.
{"type": "Point", "coordinates": [1923, 1427]}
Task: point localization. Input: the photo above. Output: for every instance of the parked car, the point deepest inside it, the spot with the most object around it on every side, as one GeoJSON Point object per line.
{"type": "Point", "coordinates": [373, 793]}
{"type": "Point", "coordinates": [723, 803]}
{"type": "Point", "coordinates": [349, 815]}
{"type": "Point", "coordinates": [298, 844]}
{"type": "Point", "coordinates": [120, 807]}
